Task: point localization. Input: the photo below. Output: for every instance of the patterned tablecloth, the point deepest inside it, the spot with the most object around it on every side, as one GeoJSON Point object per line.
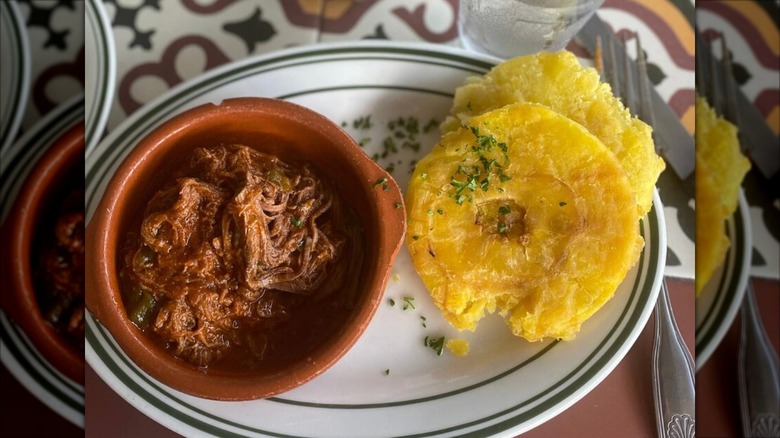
{"type": "Point", "coordinates": [154, 55]}
{"type": "Point", "coordinates": [161, 43]}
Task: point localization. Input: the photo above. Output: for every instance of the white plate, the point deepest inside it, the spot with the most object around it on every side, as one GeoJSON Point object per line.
{"type": "Point", "coordinates": [721, 298]}
{"type": "Point", "coordinates": [389, 383]}
{"type": "Point", "coordinates": [99, 72]}
{"type": "Point", "coordinates": [14, 72]}
{"type": "Point", "coordinates": [16, 351]}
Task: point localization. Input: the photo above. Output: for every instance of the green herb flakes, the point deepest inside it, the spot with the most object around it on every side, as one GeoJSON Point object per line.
{"type": "Point", "coordinates": [504, 210]}
{"type": "Point", "coordinates": [295, 221]}
{"type": "Point", "coordinates": [398, 205]}
{"type": "Point", "coordinates": [391, 302]}
{"type": "Point", "coordinates": [380, 181]}
{"type": "Point", "coordinates": [408, 303]}
{"type": "Point", "coordinates": [562, 204]}
{"type": "Point", "coordinates": [363, 122]}
{"type": "Point", "coordinates": [436, 344]}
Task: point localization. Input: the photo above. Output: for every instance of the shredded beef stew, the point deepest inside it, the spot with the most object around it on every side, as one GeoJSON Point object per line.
{"type": "Point", "coordinates": [242, 261]}
{"type": "Point", "coordinates": [59, 267]}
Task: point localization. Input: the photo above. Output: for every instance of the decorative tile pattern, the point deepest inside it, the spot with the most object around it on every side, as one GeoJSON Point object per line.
{"type": "Point", "coordinates": [751, 30]}
{"type": "Point", "coordinates": [56, 34]}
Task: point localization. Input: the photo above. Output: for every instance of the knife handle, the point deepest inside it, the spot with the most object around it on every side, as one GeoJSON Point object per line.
{"type": "Point", "coordinates": [673, 375]}
{"type": "Point", "coordinates": [759, 377]}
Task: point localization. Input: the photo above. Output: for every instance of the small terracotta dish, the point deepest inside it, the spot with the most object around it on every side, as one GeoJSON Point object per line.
{"type": "Point", "coordinates": [292, 133]}
{"type": "Point", "coordinates": [59, 170]}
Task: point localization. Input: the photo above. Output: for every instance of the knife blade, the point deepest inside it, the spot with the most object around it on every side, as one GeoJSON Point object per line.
{"type": "Point", "coordinates": [756, 138]}
{"type": "Point", "coordinates": [673, 142]}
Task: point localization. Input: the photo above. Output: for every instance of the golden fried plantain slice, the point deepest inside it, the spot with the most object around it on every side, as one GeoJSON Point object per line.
{"type": "Point", "coordinates": [557, 80]}
{"type": "Point", "coordinates": [711, 239]}
{"type": "Point", "coordinates": [525, 213]}
{"type": "Point", "coordinates": [720, 168]}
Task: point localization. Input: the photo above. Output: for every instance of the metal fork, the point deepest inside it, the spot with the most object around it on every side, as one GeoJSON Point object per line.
{"type": "Point", "coordinates": [673, 368]}
{"type": "Point", "coordinates": [758, 369]}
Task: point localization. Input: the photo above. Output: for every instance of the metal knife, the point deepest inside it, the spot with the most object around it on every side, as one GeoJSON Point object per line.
{"type": "Point", "coordinates": [673, 141]}
{"type": "Point", "coordinates": [756, 137]}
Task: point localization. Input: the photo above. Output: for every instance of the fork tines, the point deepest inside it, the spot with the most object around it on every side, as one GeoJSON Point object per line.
{"type": "Point", "coordinates": [628, 83]}
{"type": "Point", "coordinates": [712, 80]}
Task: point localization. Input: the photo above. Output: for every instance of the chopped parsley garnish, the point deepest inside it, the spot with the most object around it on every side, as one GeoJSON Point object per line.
{"type": "Point", "coordinates": [502, 228]}
{"type": "Point", "coordinates": [504, 210]}
{"type": "Point", "coordinates": [424, 175]}
{"type": "Point", "coordinates": [436, 344]}
{"type": "Point", "coordinates": [391, 302]}
{"type": "Point", "coordinates": [387, 372]}
{"type": "Point", "coordinates": [380, 181]}
{"type": "Point", "coordinates": [398, 205]}
{"type": "Point", "coordinates": [433, 123]}
{"type": "Point", "coordinates": [440, 211]}
{"type": "Point", "coordinates": [388, 147]}
{"type": "Point", "coordinates": [430, 212]}
{"type": "Point", "coordinates": [364, 141]}
{"type": "Point", "coordinates": [415, 237]}
{"type": "Point", "coordinates": [362, 122]}
{"type": "Point", "coordinates": [408, 303]}
{"type": "Point", "coordinates": [423, 320]}
{"type": "Point", "coordinates": [476, 176]}
{"type": "Point", "coordinates": [562, 203]}
{"type": "Point", "coordinates": [295, 221]}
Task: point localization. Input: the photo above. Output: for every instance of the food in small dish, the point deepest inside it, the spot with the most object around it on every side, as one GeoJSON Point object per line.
{"type": "Point", "coordinates": [242, 261]}
{"type": "Point", "coordinates": [558, 81]}
{"type": "Point", "coordinates": [241, 249]}
{"type": "Point", "coordinates": [43, 246]}
{"type": "Point", "coordinates": [720, 168]}
{"type": "Point", "coordinates": [524, 213]}
{"type": "Point", "coordinates": [58, 266]}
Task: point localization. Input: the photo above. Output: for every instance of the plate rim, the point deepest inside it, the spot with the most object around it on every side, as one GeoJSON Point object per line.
{"type": "Point", "coordinates": [97, 118]}
{"type": "Point", "coordinates": [709, 336]}
{"type": "Point", "coordinates": [17, 163]}
{"type": "Point", "coordinates": [24, 65]}
{"type": "Point", "coordinates": [419, 49]}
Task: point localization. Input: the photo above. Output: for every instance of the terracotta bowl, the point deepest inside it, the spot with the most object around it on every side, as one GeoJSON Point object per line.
{"type": "Point", "coordinates": [294, 134]}
{"type": "Point", "coordinates": [48, 181]}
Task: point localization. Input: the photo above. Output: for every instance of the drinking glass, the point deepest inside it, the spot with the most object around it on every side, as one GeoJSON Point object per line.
{"type": "Point", "coordinates": [509, 28]}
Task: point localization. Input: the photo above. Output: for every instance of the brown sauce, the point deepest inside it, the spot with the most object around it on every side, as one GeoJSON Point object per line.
{"type": "Point", "coordinates": [242, 261]}
{"type": "Point", "coordinates": [59, 267]}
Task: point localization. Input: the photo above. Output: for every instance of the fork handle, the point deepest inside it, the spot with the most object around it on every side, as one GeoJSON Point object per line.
{"type": "Point", "coordinates": [759, 377]}
{"type": "Point", "coordinates": [673, 375]}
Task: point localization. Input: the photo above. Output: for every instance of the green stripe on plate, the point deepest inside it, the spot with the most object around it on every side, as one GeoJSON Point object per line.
{"type": "Point", "coordinates": [31, 370]}
{"type": "Point", "coordinates": [18, 56]}
{"type": "Point", "coordinates": [728, 288]}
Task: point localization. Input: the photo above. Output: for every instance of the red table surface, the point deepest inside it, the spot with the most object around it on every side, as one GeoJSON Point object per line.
{"type": "Point", "coordinates": [621, 406]}
{"type": "Point", "coordinates": [22, 415]}
{"type": "Point", "coordinates": [717, 396]}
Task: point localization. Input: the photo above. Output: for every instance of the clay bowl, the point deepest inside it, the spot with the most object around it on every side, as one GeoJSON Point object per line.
{"type": "Point", "coordinates": [53, 174]}
{"type": "Point", "coordinates": [294, 134]}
